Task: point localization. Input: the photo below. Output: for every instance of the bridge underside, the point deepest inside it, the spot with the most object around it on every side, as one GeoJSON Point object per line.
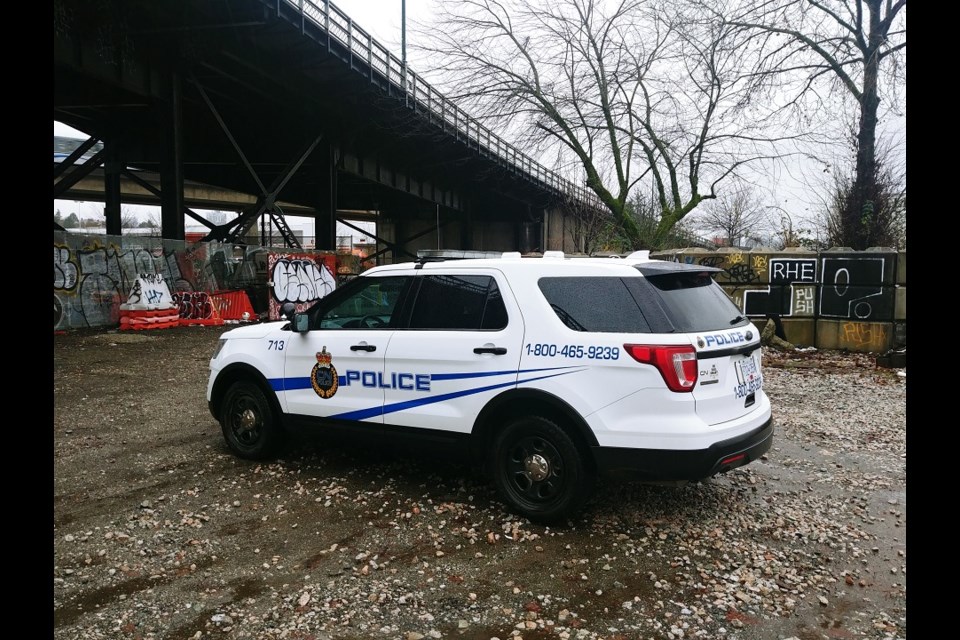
{"type": "Point", "coordinates": [248, 97]}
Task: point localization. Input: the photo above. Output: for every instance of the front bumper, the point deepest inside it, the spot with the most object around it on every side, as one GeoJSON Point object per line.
{"type": "Point", "coordinates": [664, 465]}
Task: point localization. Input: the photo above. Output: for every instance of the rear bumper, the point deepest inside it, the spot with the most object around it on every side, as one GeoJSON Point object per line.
{"type": "Point", "coordinates": [675, 465]}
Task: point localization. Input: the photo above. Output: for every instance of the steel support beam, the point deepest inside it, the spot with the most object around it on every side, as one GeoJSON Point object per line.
{"type": "Point", "coordinates": [266, 201]}
{"type": "Point", "coordinates": [75, 176]}
{"type": "Point", "coordinates": [68, 162]}
{"type": "Point", "coordinates": [325, 218]}
{"type": "Point", "coordinates": [149, 187]}
{"type": "Point", "coordinates": [398, 247]}
{"type": "Point", "coordinates": [171, 165]}
{"type": "Point", "coordinates": [111, 188]}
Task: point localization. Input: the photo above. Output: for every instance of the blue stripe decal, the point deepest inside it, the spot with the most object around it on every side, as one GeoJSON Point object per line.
{"type": "Point", "coordinates": [292, 384]}
{"type": "Point", "coordinates": [363, 414]}
{"type": "Point", "coordinates": [485, 374]}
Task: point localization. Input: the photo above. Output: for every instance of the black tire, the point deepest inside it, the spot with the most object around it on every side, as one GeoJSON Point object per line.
{"type": "Point", "coordinates": [539, 470]}
{"type": "Point", "coordinates": [249, 422]}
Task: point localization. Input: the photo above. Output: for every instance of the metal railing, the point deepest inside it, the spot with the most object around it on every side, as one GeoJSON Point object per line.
{"type": "Point", "coordinates": [423, 98]}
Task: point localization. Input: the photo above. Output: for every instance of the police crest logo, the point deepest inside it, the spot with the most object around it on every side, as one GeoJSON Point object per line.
{"type": "Point", "coordinates": [324, 376]}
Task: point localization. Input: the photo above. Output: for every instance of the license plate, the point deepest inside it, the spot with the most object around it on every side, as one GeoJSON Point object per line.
{"type": "Point", "coordinates": [747, 370]}
{"type": "Point", "coordinates": [749, 378]}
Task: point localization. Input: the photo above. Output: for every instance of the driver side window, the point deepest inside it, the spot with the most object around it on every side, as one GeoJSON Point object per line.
{"type": "Point", "coordinates": [369, 304]}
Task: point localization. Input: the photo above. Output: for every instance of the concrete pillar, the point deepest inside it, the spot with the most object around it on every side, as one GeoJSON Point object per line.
{"type": "Point", "coordinates": [171, 165]}
{"type": "Point", "coordinates": [112, 167]}
{"type": "Point", "coordinates": [325, 217]}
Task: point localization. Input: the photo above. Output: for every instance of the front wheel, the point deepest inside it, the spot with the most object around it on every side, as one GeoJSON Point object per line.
{"type": "Point", "coordinates": [249, 423]}
{"type": "Point", "coordinates": [539, 470]}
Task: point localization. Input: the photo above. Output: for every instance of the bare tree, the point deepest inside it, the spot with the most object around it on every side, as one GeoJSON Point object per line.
{"type": "Point", "coordinates": [889, 204]}
{"type": "Point", "coordinates": [590, 226]}
{"type": "Point", "coordinates": [128, 219]}
{"type": "Point", "coordinates": [736, 216]}
{"type": "Point", "coordinates": [152, 221]}
{"type": "Point", "coordinates": [854, 48]}
{"type": "Point", "coordinates": [634, 91]}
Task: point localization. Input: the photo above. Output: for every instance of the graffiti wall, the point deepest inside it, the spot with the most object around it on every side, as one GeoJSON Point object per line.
{"type": "Point", "coordinates": [94, 274]}
{"type": "Point", "coordinates": [832, 299]}
{"type": "Point", "coordinates": [300, 278]}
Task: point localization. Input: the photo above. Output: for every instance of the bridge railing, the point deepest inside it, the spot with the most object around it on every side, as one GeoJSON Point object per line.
{"type": "Point", "coordinates": [422, 97]}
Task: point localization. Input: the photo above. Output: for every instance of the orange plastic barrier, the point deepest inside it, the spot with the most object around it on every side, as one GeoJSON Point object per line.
{"type": "Point", "coordinates": [232, 305]}
{"type": "Point", "coordinates": [149, 319]}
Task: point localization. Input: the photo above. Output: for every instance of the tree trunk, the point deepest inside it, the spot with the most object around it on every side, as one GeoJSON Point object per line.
{"type": "Point", "coordinates": [860, 216]}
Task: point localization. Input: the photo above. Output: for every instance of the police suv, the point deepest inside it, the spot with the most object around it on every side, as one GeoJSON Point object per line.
{"type": "Point", "coordinates": [551, 369]}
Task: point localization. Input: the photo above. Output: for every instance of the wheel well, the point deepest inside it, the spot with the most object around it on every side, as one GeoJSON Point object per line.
{"type": "Point", "coordinates": [236, 373]}
{"type": "Point", "coordinates": [525, 402]}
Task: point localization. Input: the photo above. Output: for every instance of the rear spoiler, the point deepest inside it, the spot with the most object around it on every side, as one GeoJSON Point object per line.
{"type": "Point", "coordinates": [660, 267]}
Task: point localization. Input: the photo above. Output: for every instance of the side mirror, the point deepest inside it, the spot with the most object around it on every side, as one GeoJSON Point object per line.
{"type": "Point", "coordinates": [299, 322]}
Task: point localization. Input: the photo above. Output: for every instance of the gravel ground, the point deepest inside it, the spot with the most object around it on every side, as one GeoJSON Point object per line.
{"type": "Point", "coordinates": [159, 532]}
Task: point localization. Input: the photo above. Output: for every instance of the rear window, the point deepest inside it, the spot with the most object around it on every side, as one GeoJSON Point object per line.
{"type": "Point", "coordinates": [694, 302]}
{"type": "Point", "coordinates": [664, 303]}
{"type": "Point", "coordinates": [601, 304]}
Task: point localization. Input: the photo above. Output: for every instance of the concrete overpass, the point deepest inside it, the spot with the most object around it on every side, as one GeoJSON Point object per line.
{"type": "Point", "coordinates": [263, 103]}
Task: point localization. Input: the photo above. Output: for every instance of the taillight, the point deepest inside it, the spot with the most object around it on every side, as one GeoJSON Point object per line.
{"type": "Point", "coordinates": [677, 364]}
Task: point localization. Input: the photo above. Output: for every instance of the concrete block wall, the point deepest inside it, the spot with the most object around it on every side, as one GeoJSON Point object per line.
{"type": "Point", "coordinates": [833, 299]}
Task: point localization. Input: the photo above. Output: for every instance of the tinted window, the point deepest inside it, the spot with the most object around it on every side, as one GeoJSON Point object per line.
{"type": "Point", "coordinates": [458, 302]}
{"type": "Point", "coordinates": [364, 303]}
{"type": "Point", "coordinates": [495, 314]}
{"type": "Point", "coordinates": [594, 304]}
{"type": "Point", "coordinates": [695, 302]}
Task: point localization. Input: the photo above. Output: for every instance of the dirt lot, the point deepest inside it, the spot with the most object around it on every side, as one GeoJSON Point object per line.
{"type": "Point", "coordinates": [159, 532]}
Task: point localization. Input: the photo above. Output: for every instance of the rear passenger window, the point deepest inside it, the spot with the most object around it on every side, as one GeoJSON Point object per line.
{"type": "Point", "coordinates": [458, 302]}
{"type": "Point", "coordinates": [594, 304]}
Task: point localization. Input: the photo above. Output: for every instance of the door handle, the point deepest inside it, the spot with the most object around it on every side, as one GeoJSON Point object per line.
{"type": "Point", "coordinates": [363, 347]}
{"type": "Point", "coordinates": [497, 351]}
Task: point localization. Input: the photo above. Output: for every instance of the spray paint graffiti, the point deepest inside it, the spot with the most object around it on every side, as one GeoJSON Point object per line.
{"type": "Point", "coordinates": [150, 288]}
{"type": "Point", "coordinates": [712, 261]}
{"type": "Point", "coordinates": [300, 278]}
{"type": "Point", "coordinates": [194, 305]}
{"type": "Point", "coordinates": [854, 288]}
{"type": "Point", "coordinates": [863, 336]}
{"type": "Point", "coordinates": [759, 264]}
{"type": "Point", "coordinates": [92, 276]}
{"type": "Point", "coordinates": [64, 271]}
{"type": "Point", "coordinates": [804, 301]}
{"type": "Point", "coordinates": [57, 310]}
{"type": "Point", "coordinates": [782, 296]}
{"type": "Point", "coordinates": [857, 288]}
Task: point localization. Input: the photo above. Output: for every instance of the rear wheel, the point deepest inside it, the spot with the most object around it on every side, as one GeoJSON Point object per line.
{"type": "Point", "coordinates": [539, 470]}
{"type": "Point", "coordinates": [249, 423]}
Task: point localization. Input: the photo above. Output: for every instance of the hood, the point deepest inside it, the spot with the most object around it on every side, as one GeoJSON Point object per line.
{"type": "Point", "coordinates": [253, 331]}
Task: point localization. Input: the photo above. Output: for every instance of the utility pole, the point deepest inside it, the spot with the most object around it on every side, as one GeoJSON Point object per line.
{"type": "Point", "coordinates": [403, 45]}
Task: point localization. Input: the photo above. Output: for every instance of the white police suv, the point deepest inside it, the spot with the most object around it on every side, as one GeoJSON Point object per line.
{"type": "Point", "coordinates": [552, 370]}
